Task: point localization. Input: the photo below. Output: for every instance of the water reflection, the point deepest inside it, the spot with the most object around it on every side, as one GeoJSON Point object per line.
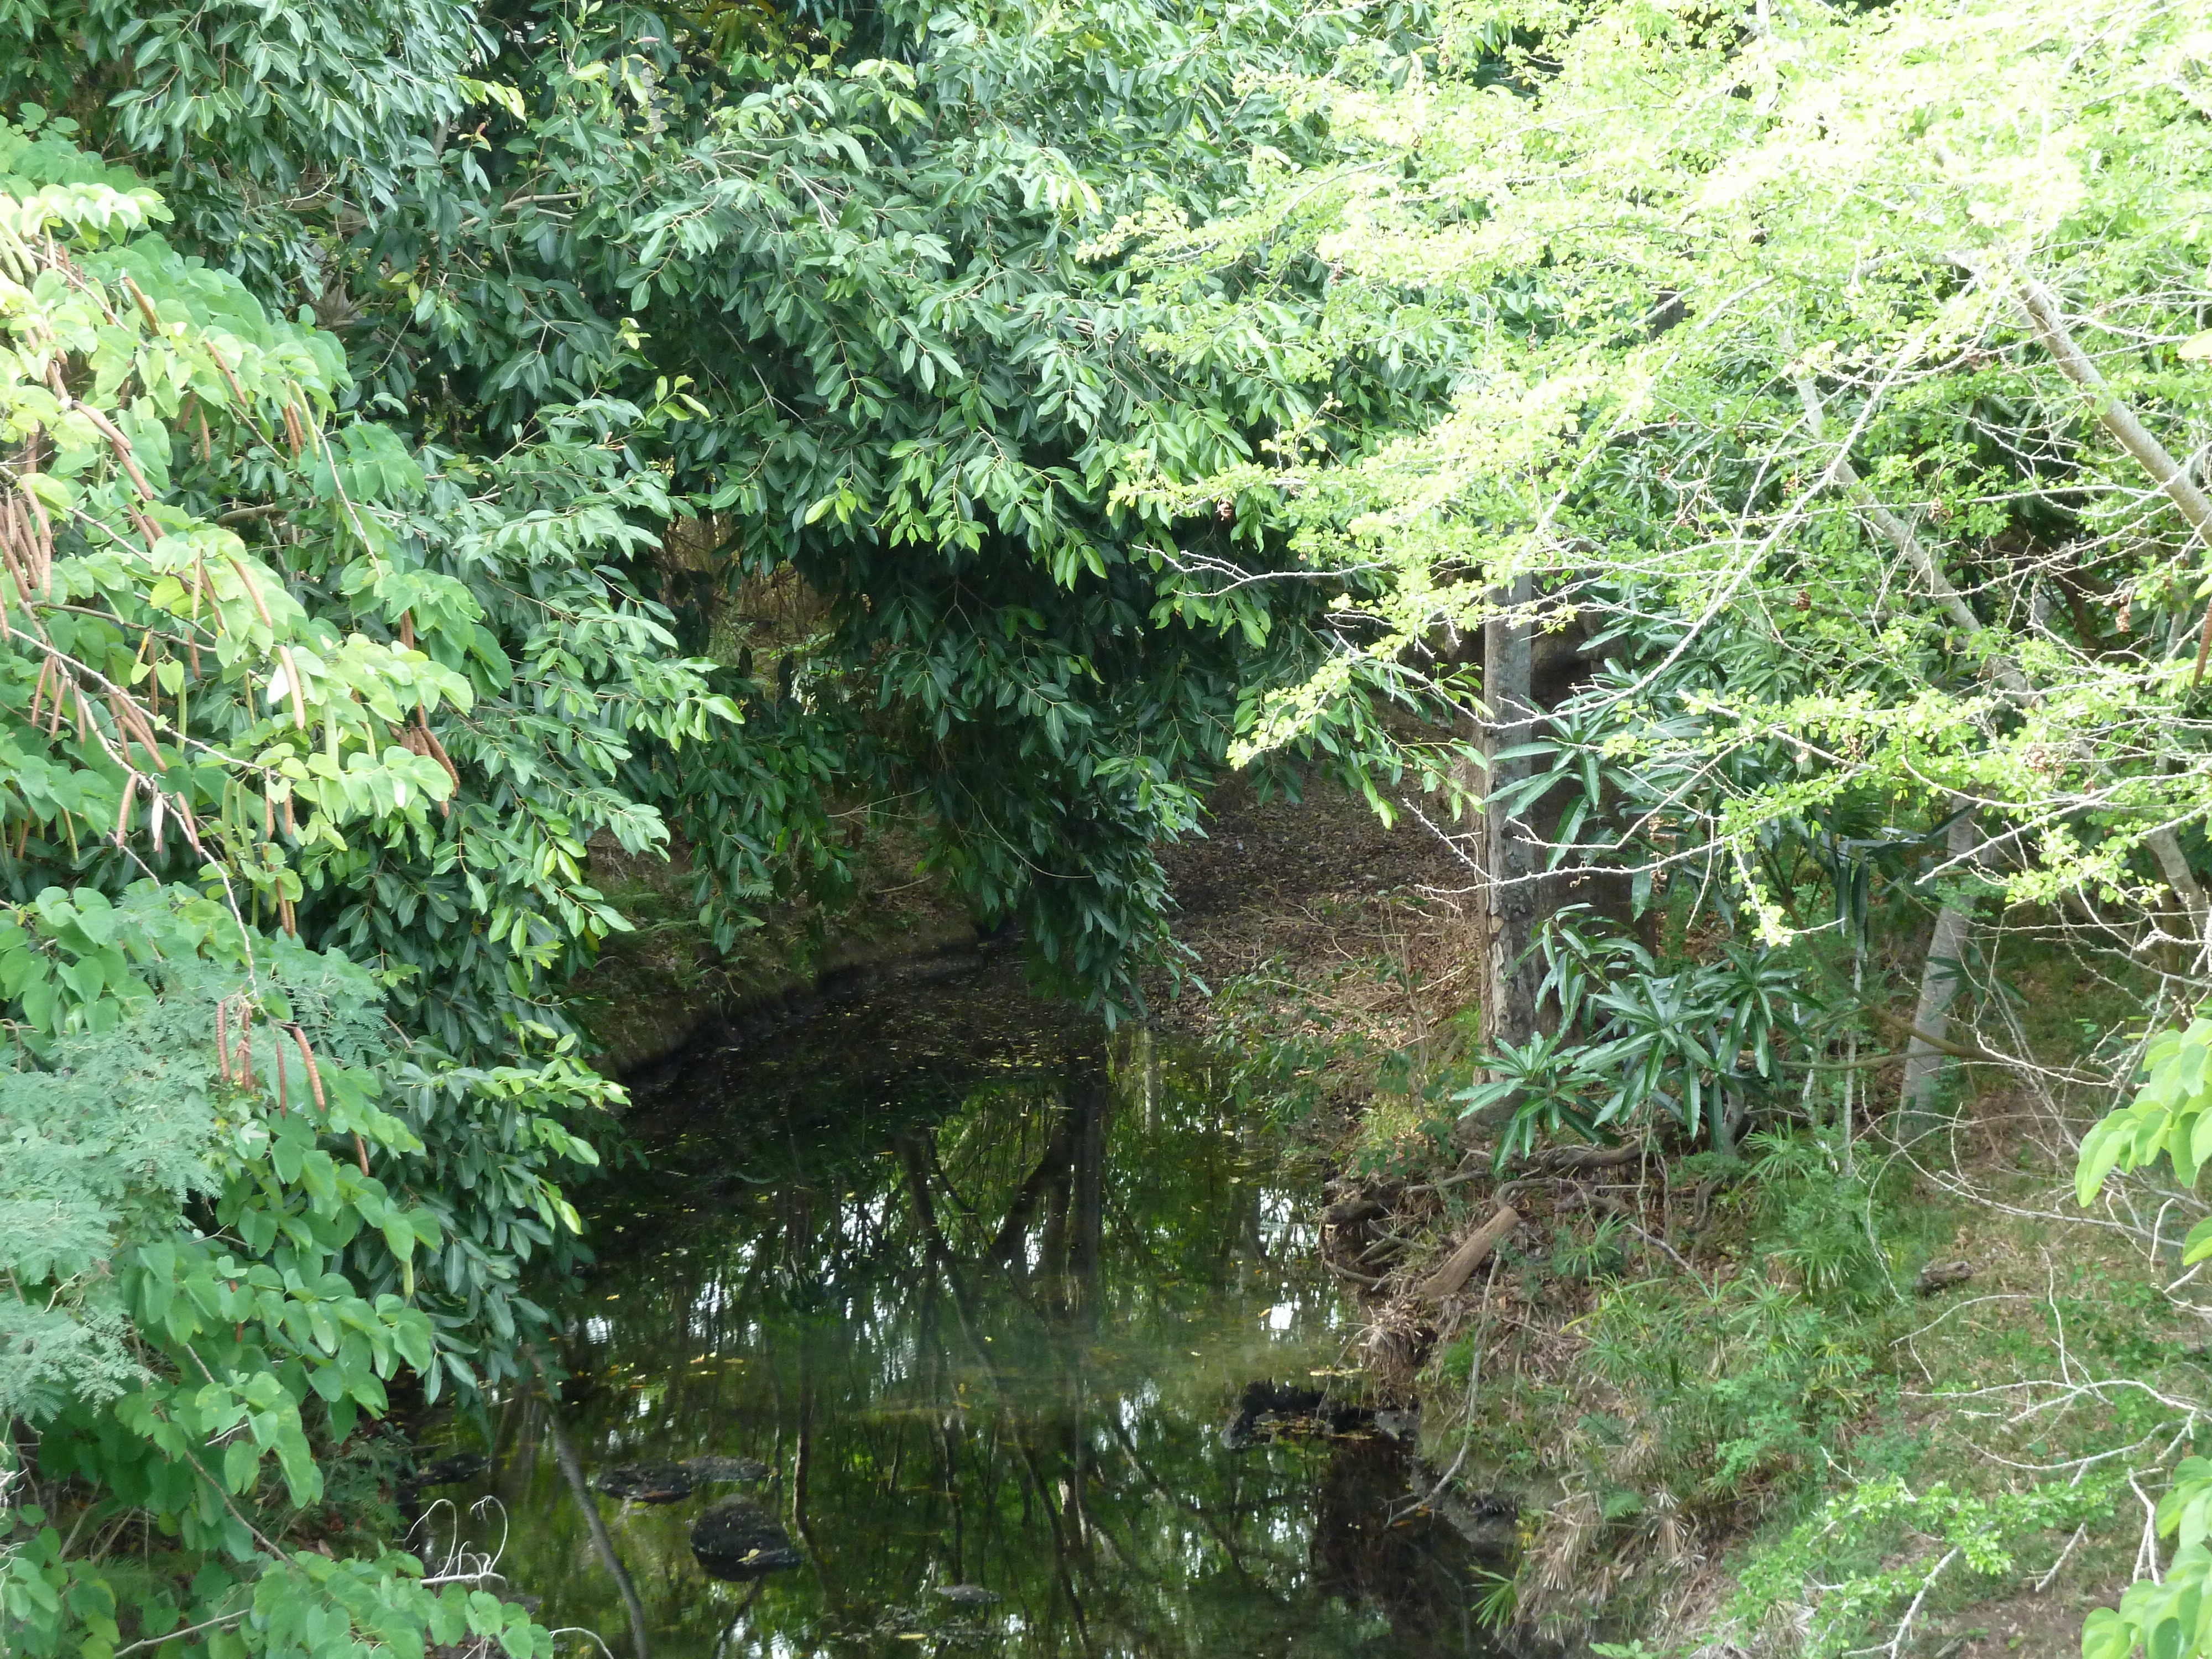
{"type": "Point", "coordinates": [979, 1287]}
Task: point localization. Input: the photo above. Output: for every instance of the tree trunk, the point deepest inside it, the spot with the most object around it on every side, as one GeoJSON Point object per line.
{"type": "Point", "coordinates": [2165, 847]}
{"type": "Point", "coordinates": [1939, 984]}
{"type": "Point", "coordinates": [2170, 476]}
{"type": "Point", "coordinates": [1508, 907]}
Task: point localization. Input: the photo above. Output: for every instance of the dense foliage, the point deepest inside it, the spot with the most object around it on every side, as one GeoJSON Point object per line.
{"type": "Point", "coordinates": [399, 407]}
{"type": "Point", "coordinates": [1828, 383]}
{"type": "Point", "coordinates": [440, 445]}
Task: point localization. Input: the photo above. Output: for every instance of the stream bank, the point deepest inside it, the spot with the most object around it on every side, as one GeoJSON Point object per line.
{"type": "Point", "coordinates": [1311, 906]}
{"type": "Point", "coordinates": [1743, 1405]}
{"type": "Point", "coordinates": [1675, 1373]}
{"type": "Point", "coordinates": [943, 1320]}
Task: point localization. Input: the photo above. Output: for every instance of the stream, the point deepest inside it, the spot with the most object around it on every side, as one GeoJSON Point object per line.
{"type": "Point", "coordinates": [943, 1321]}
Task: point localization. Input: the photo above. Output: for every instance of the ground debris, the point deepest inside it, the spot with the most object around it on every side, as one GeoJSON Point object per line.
{"type": "Point", "coordinates": [1940, 1276]}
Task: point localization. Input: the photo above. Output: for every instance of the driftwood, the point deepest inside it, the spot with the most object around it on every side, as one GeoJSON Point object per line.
{"type": "Point", "coordinates": [1583, 1160]}
{"type": "Point", "coordinates": [1471, 1253]}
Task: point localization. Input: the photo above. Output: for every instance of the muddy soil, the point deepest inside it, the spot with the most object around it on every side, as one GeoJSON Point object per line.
{"type": "Point", "coordinates": [1315, 895]}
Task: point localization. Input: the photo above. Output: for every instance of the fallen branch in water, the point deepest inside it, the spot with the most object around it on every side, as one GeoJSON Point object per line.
{"type": "Point", "coordinates": [564, 1453]}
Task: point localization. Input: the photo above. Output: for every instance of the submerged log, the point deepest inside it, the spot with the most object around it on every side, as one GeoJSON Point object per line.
{"type": "Point", "coordinates": [1471, 1253]}
{"type": "Point", "coordinates": [646, 1483]}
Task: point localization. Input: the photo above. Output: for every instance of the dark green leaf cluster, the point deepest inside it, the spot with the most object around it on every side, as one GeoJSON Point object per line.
{"type": "Point", "coordinates": [207, 1285]}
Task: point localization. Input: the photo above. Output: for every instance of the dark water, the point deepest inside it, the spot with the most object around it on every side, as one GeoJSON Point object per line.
{"type": "Point", "coordinates": [980, 1287]}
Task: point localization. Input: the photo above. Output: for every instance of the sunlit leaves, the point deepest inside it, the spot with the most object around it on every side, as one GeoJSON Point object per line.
{"type": "Point", "coordinates": [2169, 1617]}
{"type": "Point", "coordinates": [2171, 1116]}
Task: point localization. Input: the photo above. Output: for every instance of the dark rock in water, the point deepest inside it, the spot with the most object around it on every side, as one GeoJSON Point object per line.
{"type": "Point", "coordinates": [966, 1595]}
{"type": "Point", "coordinates": [1404, 1425]}
{"type": "Point", "coordinates": [1289, 1410]}
{"type": "Point", "coordinates": [737, 1540]}
{"type": "Point", "coordinates": [1487, 1520]}
{"type": "Point", "coordinates": [707, 1471]}
{"type": "Point", "coordinates": [451, 1470]}
{"type": "Point", "coordinates": [646, 1483]}
{"type": "Point", "coordinates": [412, 1482]}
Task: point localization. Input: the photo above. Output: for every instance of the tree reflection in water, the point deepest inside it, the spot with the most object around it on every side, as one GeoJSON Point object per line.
{"type": "Point", "coordinates": [980, 1285]}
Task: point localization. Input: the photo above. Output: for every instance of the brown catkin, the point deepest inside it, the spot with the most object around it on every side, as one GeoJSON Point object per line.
{"type": "Point", "coordinates": [252, 591]}
{"type": "Point", "coordinates": [145, 305]}
{"type": "Point", "coordinates": [45, 570]}
{"type": "Point", "coordinates": [292, 680]}
{"type": "Point", "coordinates": [314, 1072]}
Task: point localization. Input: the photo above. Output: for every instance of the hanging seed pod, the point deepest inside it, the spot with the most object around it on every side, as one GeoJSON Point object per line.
{"type": "Point", "coordinates": [123, 733]}
{"type": "Point", "coordinates": [131, 724]}
{"type": "Point", "coordinates": [252, 591]}
{"type": "Point", "coordinates": [437, 752]}
{"type": "Point", "coordinates": [214, 356]}
{"type": "Point", "coordinates": [116, 442]}
{"type": "Point", "coordinates": [222, 1040]}
{"type": "Point", "coordinates": [291, 684]}
{"type": "Point", "coordinates": [314, 1074]}
{"type": "Point", "coordinates": [19, 546]}
{"type": "Point", "coordinates": [25, 583]}
{"type": "Point", "coordinates": [145, 305]}
{"type": "Point", "coordinates": [123, 813]}
{"type": "Point", "coordinates": [45, 573]}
